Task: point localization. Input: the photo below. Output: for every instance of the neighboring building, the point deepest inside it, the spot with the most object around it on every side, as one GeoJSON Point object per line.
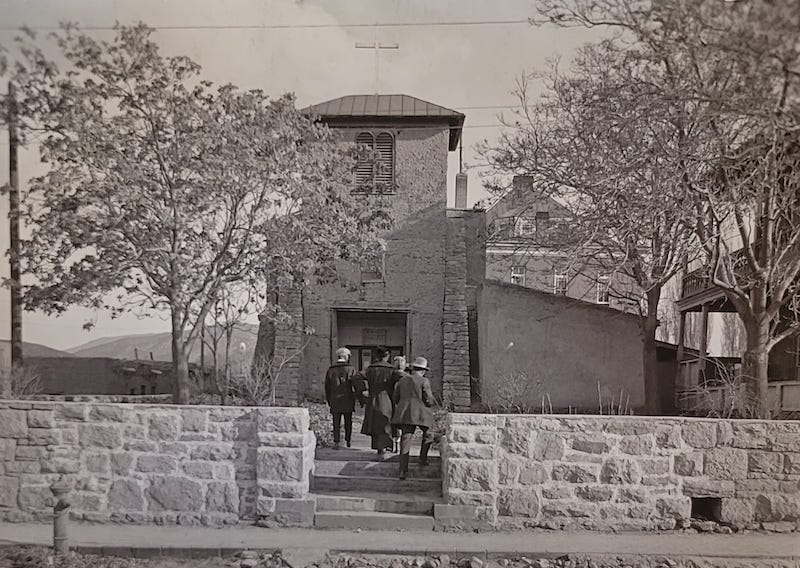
{"type": "Point", "coordinates": [107, 376]}
{"type": "Point", "coordinates": [523, 232]}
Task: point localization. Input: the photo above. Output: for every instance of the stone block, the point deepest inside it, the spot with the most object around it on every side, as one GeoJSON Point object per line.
{"type": "Point", "coordinates": [579, 509]}
{"type": "Point", "coordinates": [628, 426]}
{"type": "Point", "coordinates": [193, 420]}
{"type": "Point", "coordinates": [41, 419]}
{"type": "Point", "coordinates": [518, 503]}
{"type": "Point", "coordinates": [688, 465]}
{"type": "Point", "coordinates": [97, 463]}
{"type": "Point", "coordinates": [547, 446]}
{"type": "Point", "coordinates": [791, 464]}
{"type": "Point", "coordinates": [134, 432]}
{"type": "Point", "coordinates": [764, 462]}
{"type": "Point", "coordinates": [461, 435]}
{"type": "Point", "coordinates": [532, 474]}
{"type": "Point", "coordinates": [726, 463]}
{"type": "Point", "coordinates": [72, 412]}
{"type": "Point", "coordinates": [13, 424]}
{"type": "Point", "coordinates": [107, 413]}
{"type": "Point", "coordinates": [508, 471]}
{"type": "Point", "coordinates": [278, 440]}
{"type": "Point", "coordinates": [294, 512]}
{"type": "Point", "coordinates": [35, 498]}
{"type": "Point", "coordinates": [280, 464]}
{"type": "Point", "coordinates": [30, 453]}
{"type": "Point", "coordinates": [173, 448]}
{"type": "Point", "coordinates": [282, 420]}
{"type": "Point", "coordinates": [575, 473]}
{"type": "Point", "coordinates": [121, 463]}
{"type": "Point", "coordinates": [654, 466]}
{"type": "Point", "coordinates": [704, 487]}
{"type": "Point", "coordinates": [471, 475]}
{"type": "Point", "coordinates": [471, 451]}
{"type": "Point", "coordinates": [222, 497]}
{"type": "Point", "coordinates": [594, 493]}
{"type": "Point", "coordinates": [199, 469]}
{"type": "Point", "coordinates": [699, 434]}
{"type": "Point", "coordinates": [750, 435]}
{"type": "Point", "coordinates": [15, 468]}
{"type": "Point", "coordinates": [9, 489]}
{"type": "Point", "coordinates": [515, 438]}
{"type": "Point", "coordinates": [486, 436]}
{"type": "Point", "coordinates": [620, 471]}
{"type": "Point", "coordinates": [737, 512]}
{"type": "Point", "coordinates": [7, 448]}
{"type": "Point", "coordinates": [770, 508]}
{"type": "Point", "coordinates": [674, 507]}
{"type": "Point", "coordinates": [668, 437]}
{"type": "Point", "coordinates": [43, 436]}
{"type": "Point", "coordinates": [637, 445]}
{"type": "Point", "coordinates": [724, 433]}
{"type": "Point", "coordinates": [557, 492]}
{"type": "Point", "coordinates": [476, 498]}
{"type": "Point", "coordinates": [225, 472]}
{"type": "Point", "coordinates": [596, 445]}
{"type": "Point", "coordinates": [282, 490]}
{"type": "Point", "coordinates": [174, 494]}
{"type": "Point", "coordinates": [84, 501]}
{"type": "Point", "coordinates": [155, 463]}
{"type": "Point", "coordinates": [213, 452]}
{"type": "Point", "coordinates": [163, 428]}
{"type": "Point", "coordinates": [632, 495]}
{"type": "Point", "coordinates": [61, 465]}
{"type": "Point", "coordinates": [100, 436]}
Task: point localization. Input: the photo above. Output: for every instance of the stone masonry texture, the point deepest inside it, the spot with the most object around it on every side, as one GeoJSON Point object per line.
{"type": "Point", "coordinates": [161, 464]}
{"type": "Point", "coordinates": [455, 325]}
{"type": "Point", "coordinates": [617, 472]}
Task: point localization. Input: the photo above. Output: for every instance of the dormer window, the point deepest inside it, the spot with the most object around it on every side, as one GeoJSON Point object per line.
{"type": "Point", "coordinates": [376, 164]}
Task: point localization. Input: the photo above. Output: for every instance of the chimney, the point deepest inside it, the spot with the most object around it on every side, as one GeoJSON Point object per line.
{"type": "Point", "coordinates": [461, 190]}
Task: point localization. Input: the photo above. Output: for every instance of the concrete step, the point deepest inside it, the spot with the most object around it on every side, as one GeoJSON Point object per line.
{"type": "Point", "coordinates": [354, 454]}
{"type": "Point", "coordinates": [375, 469]}
{"type": "Point", "coordinates": [368, 520]}
{"type": "Point", "coordinates": [416, 504]}
{"type": "Point", "coordinates": [361, 485]}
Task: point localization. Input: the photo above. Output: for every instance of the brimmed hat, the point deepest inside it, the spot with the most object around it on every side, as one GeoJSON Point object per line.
{"type": "Point", "coordinates": [342, 352]}
{"type": "Point", "coordinates": [420, 363]}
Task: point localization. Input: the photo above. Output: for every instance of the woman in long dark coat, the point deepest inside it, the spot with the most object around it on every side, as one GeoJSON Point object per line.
{"type": "Point", "coordinates": [380, 377]}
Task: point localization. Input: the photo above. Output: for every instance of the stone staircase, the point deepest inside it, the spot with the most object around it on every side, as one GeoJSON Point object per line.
{"type": "Point", "coordinates": [353, 490]}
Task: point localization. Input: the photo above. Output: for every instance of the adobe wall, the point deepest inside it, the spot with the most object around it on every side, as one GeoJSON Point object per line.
{"type": "Point", "coordinates": [563, 347]}
{"type": "Point", "coordinates": [163, 464]}
{"type": "Point", "coordinates": [414, 267]}
{"type": "Point", "coordinates": [617, 473]}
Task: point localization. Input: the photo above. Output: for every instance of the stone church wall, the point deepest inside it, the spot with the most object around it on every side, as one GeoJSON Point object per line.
{"type": "Point", "coordinates": [164, 464]}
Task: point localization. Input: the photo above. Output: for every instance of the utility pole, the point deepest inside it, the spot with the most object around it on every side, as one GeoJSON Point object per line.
{"type": "Point", "coordinates": [13, 215]}
{"type": "Point", "coordinates": [375, 45]}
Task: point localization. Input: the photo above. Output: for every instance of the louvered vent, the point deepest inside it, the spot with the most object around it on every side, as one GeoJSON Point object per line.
{"type": "Point", "coordinates": [364, 168]}
{"type": "Point", "coordinates": [385, 174]}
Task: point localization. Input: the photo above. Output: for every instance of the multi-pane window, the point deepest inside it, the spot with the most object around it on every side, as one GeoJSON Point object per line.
{"type": "Point", "coordinates": [518, 275]}
{"type": "Point", "coordinates": [525, 226]}
{"type": "Point", "coordinates": [603, 294]}
{"type": "Point", "coordinates": [560, 283]}
{"type": "Point", "coordinates": [375, 168]}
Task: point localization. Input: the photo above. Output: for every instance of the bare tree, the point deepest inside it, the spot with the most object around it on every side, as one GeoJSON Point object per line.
{"type": "Point", "coordinates": [595, 142]}
{"type": "Point", "coordinates": [258, 387]}
{"type": "Point", "coordinates": [736, 67]}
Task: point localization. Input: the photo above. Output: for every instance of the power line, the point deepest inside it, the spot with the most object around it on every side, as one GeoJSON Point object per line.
{"type": "Point", "coordinates": [464, 23]}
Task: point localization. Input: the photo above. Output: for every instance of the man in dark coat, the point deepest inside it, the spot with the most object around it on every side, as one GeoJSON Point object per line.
{"type": "Point", "coordinates": [340, 394]}
{"type": "Point", "coordinates": [380, 377]}
{"type": "Point", "coordinates": [412, 399]}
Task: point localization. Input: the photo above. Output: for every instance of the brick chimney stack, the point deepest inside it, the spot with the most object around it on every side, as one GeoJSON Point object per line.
{"type": "Point", "coordinates": [461, 190]}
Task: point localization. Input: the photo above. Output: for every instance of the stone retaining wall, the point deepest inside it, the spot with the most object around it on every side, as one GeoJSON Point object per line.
{"type": "Point", "coordinates": [618, 473]}
{"type": "Point", "coordinates": [163, 464]}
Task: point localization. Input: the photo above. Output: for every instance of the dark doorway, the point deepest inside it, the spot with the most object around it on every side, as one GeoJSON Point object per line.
{"type": "Point", "coordinates": [362, 331]}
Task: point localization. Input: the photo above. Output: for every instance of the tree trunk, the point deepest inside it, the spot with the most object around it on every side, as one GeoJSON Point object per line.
{"type": "Point", "coordinates": [652, 384]}
{"type": "Point", "coordinates": [180, 362]}
{"type": "Point", "coordinates": [755, 363]}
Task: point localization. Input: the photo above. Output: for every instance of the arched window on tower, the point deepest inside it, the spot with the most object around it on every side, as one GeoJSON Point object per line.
{"type": "Point", "coordinates": [376, 164]}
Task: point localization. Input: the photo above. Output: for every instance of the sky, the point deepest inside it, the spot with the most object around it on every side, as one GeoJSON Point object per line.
{"type": "Point", "coordinates": [460, 54]}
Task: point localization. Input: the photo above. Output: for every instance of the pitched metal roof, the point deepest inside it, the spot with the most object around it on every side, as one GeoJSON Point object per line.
{"type": "Point", "coordinates": [388, 107]}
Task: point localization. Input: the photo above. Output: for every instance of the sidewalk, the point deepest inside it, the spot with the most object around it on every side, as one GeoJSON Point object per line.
{"type": "Point", "coordinates": [183, 539]}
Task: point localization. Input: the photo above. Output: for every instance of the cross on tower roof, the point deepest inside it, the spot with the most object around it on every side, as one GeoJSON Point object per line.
{"type": "Point", "coordinates": [377, 46]}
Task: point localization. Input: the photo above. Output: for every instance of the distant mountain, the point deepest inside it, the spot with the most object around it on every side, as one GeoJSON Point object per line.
{"type": "Point", "coordinates": [38, 350]}
{"type": "Point", "coordinates": [159, 344]}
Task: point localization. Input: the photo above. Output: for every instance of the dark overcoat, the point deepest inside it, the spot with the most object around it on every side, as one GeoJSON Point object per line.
{"type": "Point", "coordinates": [413, 398]}
{"type": "Point", "coordinates": [339, 387]}
{"type": "Point", "coordinates": [380, 379]}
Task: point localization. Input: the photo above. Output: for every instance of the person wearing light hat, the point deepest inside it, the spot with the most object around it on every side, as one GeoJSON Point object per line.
{"type": "Point", "coordinates": [341, 396]}
{"type": "Point", "coordinates": [412, 401]}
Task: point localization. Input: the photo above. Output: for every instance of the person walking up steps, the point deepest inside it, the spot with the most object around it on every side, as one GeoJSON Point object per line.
{"type": "Point", "coordinates": [412, 401]}
{"type": "Point", "coordinates": [378, 413]}
{"type": "Point", "coordinates": [340, 394]}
